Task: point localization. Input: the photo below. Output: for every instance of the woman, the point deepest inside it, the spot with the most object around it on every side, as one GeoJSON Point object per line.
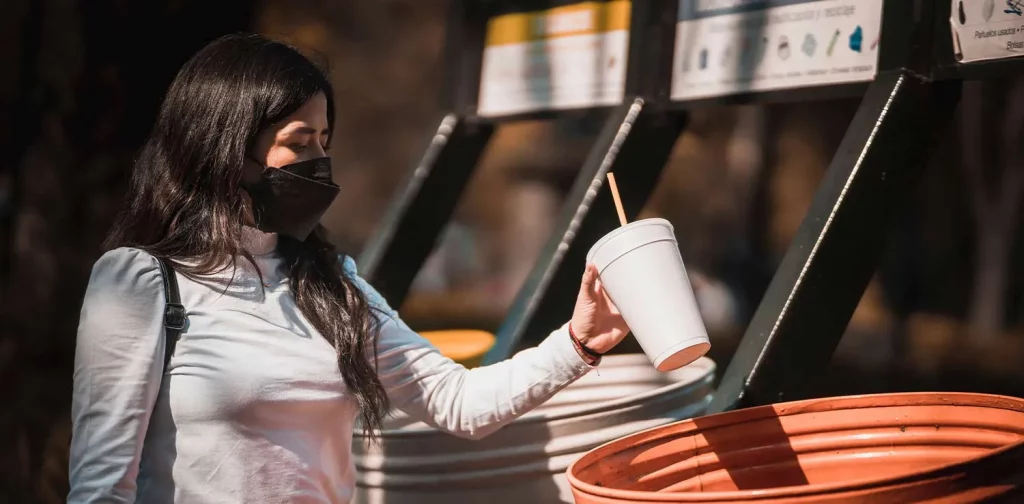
{"type": "Point", "coordinates": [285, 346]}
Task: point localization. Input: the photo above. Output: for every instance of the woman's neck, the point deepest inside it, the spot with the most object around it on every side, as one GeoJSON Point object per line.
{"type": "Point", "coordinates": [257, 242]}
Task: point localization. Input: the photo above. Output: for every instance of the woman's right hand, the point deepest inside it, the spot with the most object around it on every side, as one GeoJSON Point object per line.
{"type": "Point", "coordinates": [596, 322]}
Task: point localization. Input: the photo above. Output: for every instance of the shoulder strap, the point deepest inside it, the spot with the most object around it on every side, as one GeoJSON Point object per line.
{"type": "Point", "coordinates": [174, 312]}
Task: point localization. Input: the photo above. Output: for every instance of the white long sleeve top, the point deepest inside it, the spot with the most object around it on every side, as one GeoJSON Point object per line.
{"type": "Point", "coordinates": [252, 407]}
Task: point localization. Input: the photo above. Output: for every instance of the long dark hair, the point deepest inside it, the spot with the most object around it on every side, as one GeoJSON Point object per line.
{"type": "Point", "coordinates": [184, 200]}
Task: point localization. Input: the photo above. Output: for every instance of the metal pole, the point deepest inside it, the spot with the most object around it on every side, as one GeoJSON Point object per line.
{"type": "Point", "coordinates": [821, 279]}
{"type": "Point", "coordinates": [419, 213]}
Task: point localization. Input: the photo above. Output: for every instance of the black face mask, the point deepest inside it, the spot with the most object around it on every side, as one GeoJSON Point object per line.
{"type": "Point", "coordinates": [290, 200]}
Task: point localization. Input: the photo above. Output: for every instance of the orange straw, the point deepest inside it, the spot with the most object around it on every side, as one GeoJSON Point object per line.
{"type": "Point", "coordinates": [618, 201]}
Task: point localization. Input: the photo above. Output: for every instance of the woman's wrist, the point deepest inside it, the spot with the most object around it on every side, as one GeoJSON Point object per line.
{"type": "Point", "coordinates": [589, 355]}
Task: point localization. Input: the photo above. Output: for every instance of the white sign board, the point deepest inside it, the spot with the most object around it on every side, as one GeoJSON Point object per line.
{"type": "Point", "coordinates": [987, 29]}
{"type": "Point", "coordinates": [727, 47]}
{"type": "Point", "coordinates": [566, 57]}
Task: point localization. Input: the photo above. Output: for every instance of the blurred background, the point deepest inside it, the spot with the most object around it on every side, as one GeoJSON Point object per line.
{"type": "Point", "coordinates": [82, 80]}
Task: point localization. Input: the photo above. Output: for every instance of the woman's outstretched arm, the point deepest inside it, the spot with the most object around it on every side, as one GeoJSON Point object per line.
{"type": "Point", "coordinates": [469, 403]}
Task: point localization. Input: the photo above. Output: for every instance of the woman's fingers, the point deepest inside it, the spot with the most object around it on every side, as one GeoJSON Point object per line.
{"type": "Point", "coordinates": [589, 280]}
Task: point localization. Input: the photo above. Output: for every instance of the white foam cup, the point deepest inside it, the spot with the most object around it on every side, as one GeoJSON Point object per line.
{"type": "Point", "coordinates": [642, 271]}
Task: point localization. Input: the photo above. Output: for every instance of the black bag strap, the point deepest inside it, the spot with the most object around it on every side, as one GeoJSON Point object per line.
{"type": "Point", "coordinates": [174, 312]}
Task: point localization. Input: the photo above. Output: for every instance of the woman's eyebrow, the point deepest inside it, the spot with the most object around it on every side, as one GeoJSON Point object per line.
{"type": "Point", "coordinates": [306, 130]}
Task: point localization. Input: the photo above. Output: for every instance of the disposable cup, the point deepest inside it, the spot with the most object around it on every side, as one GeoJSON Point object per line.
{"type": "Point", "coordinates": [642, 271]}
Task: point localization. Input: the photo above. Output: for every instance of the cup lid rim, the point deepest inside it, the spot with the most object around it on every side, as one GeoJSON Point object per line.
{"type": "Point", "coordinates": [622, 229]}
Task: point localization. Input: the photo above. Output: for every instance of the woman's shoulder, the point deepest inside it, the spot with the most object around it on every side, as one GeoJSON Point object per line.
{"type": "Point", "coordinates": [348, 265]}
{"type": "Point", "coordinates": [126, 271]}
{"type": "Point", "coordinates": [375, 299]}
{"type": "Point", "coordinates": [351, 272]}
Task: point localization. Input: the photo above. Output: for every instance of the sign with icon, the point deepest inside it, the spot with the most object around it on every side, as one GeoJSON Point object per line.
{"type": "Point", "coordinates": [987, 29]}
{"type": "Point", "coordinates": [727, 47]}
{"type": "Point", "coordinates": [567, 57]}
